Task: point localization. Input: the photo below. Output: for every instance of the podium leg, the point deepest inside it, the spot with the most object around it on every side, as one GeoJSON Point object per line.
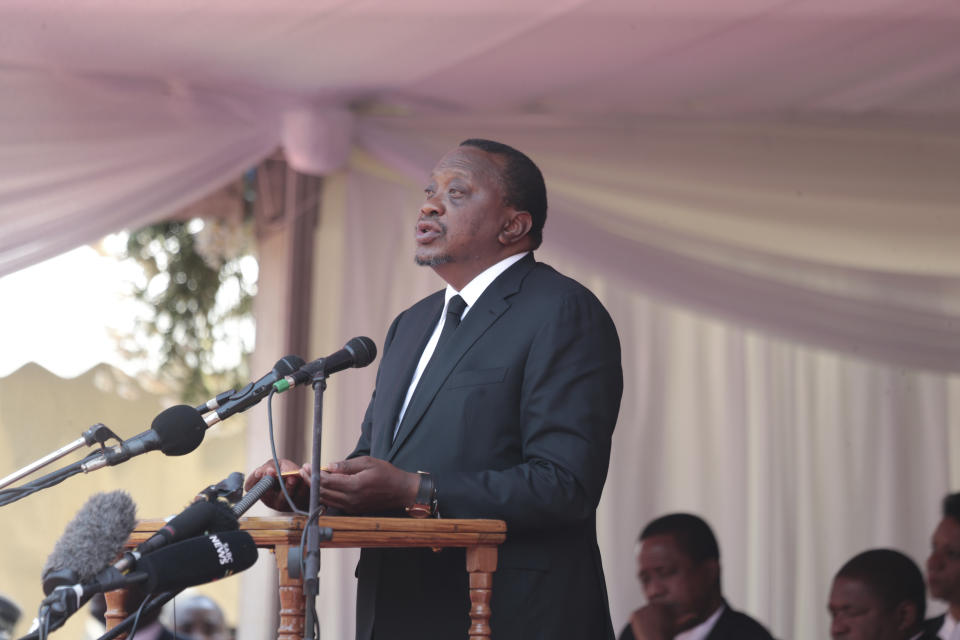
{"type": "Point", "coordinates": [116, 609]}
{"type": "Point", "coordinates": [291, 599]}
{"type": "Point", "coordinates": [481, 563]}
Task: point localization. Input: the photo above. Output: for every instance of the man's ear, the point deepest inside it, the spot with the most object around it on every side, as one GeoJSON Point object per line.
{"type": "Point", "coordinates": [711, 569]}
{"type": "Point", "coordinates": [516, 228]}
{"type": "Point", "coordinates": [907, 615]}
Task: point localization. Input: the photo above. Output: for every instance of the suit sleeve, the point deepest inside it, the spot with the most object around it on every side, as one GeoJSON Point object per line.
{"type": "Point", "coordinates": [363, 447]}
{"type": "Point", "coordinates": [571, 388]}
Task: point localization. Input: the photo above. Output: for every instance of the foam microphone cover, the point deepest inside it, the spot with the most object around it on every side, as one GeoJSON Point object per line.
{"type": "Point", "coordinates": [180, 428]}
{"type": "Point", "coordinates": [91, 541]}
{"type": "Point", "coordinates": [198, 561]}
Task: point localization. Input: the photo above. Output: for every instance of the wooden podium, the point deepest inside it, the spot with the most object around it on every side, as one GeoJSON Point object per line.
{"type": "Point", "coordinates": [279, 534]}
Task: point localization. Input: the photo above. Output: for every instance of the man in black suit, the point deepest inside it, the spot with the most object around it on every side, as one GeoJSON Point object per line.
{"type": "Point", "coordinates": [943, 569]}
{"type": "Point", "coordinates": [878, 595]}
{"type": "Point", "coordinates": [505, 389]}
{"type": "Point", "coordinates": [678, 563]}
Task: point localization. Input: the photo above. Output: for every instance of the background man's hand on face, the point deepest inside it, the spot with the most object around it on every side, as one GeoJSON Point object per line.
{"type": "Point", "coordinates": [653, 622]}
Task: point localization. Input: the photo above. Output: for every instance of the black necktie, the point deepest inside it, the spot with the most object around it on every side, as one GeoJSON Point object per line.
{"type": "Point", "coordinates": [455, 308]}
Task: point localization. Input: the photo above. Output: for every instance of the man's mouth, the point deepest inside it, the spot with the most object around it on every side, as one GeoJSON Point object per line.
{"type": "Point", "coordinates": [428, 230]}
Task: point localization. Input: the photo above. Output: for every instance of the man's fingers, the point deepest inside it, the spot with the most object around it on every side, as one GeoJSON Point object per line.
{"type": "Point", "coordinates": [351, 466]}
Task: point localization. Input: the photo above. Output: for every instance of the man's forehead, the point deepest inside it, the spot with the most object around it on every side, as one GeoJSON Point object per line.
{"type": "Point", "coordinates": [468, 162]}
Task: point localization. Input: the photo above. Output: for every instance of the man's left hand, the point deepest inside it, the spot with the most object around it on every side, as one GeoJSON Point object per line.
{"type": "Point", "coordinates": [367, 485]}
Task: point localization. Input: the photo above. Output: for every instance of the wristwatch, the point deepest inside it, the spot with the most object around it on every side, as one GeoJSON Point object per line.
{"type": "Point", "coordinates": [425, 504]}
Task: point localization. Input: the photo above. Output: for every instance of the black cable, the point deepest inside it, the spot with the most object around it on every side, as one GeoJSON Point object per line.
{"type": "Point", "coordinates": [8, 496]}
{"type": "Point", "coordinates": [136, 621]}
{"type": "Point", "coordinates": [276, 458]}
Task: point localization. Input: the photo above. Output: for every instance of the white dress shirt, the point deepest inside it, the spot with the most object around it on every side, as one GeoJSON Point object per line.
{"type": "Point", "coordinates": [948, 630]}
{"type": "Point", "coordinates": [470, 294]}
{"type": "Point", "coordinates": [703, 629]}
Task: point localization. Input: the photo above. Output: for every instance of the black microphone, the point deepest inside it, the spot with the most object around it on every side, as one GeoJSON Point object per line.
{"type": "Point", "coordinates": [175, 431]}
{"type": "Point", "coordinates": [199, 517]}
{"type": "Point", "coordinates": [91, 540]}
{"type": "Point", "coordinates": [359, 352]}
{"type": "Point", "coordinates": [198, 561]}
{"type": "Point", "coordinates": [253, 392]}
{"type": "Point", "coordinates": [183, 564]}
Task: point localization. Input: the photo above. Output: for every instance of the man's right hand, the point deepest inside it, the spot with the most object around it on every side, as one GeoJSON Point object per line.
{"type": "Point", "coordinates": [652, 622]}
{"type": "Point", "coordinates": [298, 485]}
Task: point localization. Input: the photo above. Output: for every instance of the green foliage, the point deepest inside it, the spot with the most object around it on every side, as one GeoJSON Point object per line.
{"type": "Point", "coordinates": [197, 304]}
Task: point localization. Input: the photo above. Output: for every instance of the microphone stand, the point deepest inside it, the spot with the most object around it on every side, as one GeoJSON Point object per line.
{"type": "Point", "coordinates": [98, 433]}
{"type": "Point", "coordinates": [311, 577]}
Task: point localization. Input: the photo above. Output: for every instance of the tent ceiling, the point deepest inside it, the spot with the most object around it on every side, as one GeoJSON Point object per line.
{"type": "Point", "coordinates": [686, 57]}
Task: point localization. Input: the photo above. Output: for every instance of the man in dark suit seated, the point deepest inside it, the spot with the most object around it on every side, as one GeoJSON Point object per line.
{"type": "Point", "coordinates": [678, 564]}
{"type": "Point", "coordinates": [878, 595]}
{"type": "Point", "coordinates": [495, 398]}
{"type": "Point", "coordinates": [943, 569]}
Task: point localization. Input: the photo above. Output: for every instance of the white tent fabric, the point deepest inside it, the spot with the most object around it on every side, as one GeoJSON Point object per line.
{"type": "Point", "coordinates": [762, 192]}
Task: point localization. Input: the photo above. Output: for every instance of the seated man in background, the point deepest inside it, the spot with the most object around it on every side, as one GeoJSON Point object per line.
{"type": "Point", "coordinates": [943, 569]}
{"type": "Point", "coordinates": [878, 595]}
{"type": "Point", "coordinates": [678, 564]}
{"type": "Point", "coordinates": [196, 617]}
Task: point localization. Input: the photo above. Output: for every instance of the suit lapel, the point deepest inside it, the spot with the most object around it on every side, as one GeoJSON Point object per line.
{"type": "Point", "coordinates": [490, 306]}
{"type": "Point", "coordinates": [396, 378]}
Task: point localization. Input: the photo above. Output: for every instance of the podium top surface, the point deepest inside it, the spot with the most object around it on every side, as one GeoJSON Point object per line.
{"type": "Point", "coordinates": [352, 531]}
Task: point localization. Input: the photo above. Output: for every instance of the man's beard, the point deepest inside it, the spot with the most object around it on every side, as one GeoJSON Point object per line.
{"type": "Point", "coordinates": [433, 261]}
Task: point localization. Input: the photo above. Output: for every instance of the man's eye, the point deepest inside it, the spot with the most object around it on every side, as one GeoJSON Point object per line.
{"type": "Point", "coordinates": [456, 193]}
{"type": "Point", "coordinates": [429, 191]}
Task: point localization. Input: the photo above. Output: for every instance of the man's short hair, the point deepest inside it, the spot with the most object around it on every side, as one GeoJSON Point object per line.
{"type": "Point", "coordinates": [692, 534]}
{"type": "Point", "coordinates": [891, 576]}
{"type": "Point", "coordinates": [951, 506]}
{"type": "Point", "coordinates": [522, 183]}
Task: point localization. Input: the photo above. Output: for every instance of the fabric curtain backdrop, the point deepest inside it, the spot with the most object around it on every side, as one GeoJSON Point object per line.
{"type": "Point", "coordinates": [787, 294]}
{"type": "Point", "coordinates": [787, 373]}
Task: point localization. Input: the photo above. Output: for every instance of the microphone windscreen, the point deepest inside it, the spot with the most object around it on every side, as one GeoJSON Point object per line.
{"type": "Point", "coordinates": [287, 365]}
{"type": "Point", "coordinates": [363, 349]}
{"type": "Point", "coordinates": [92, 540]}
{"type": "Point", "coordinates": [198, 561]}
{"type": "Point", "coordinates": [180, 428]}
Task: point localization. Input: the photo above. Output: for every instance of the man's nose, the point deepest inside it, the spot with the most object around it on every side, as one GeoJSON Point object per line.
{"type": "Point", "coordinates": [838, 628]}
{"type": "Point", "coordinates": [655, 590]}
{"type": "Point", "coordinates": [432, 206]}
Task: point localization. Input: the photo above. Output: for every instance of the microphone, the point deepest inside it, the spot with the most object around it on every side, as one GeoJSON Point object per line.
{"type": "Point", "coordinates": [91, 540]}
{"type": "Point", "coordinates": [253, 392]}
{"type": "Point", "coordinates": [359, 352]}
{"type": "Point", "coordinates": [175, 431]}
{"type": "Point", "coordinates": [198, 561]}
{"type": "Point", "coordinates": [198, 517]}
{"type": "Point", "coordinates": [183, 564]}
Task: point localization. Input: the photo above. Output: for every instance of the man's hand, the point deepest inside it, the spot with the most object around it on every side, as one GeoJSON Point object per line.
{"type": "Point", "coordinates": [367, 485]}
{"type": "Point", "coordinates": [653, 622]}
{"type": "Point", "coordinates": [298, 486]}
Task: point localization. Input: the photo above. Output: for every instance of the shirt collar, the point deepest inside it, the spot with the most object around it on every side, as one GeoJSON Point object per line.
{"type": "Point", "coordinates": [702, 630]}
{"type": "Point", "coordinates": [475, 288]}
{"type": "Point", "coordinates": [949, 624]}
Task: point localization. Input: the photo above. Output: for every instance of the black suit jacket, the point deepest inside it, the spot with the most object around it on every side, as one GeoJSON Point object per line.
{"type": "Point", "coordinates": [732, 625]}
{"type": "Point", "coordinates": [931, 627]}
{"type": "Point", "coordinates": [514, 421]}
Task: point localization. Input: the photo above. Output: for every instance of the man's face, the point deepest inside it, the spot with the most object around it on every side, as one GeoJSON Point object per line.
{"type": "Point", "coordinates": [671, 578]}
{"type": "Point", "coordinates": [858, 614]}
{"type": "Point", "coordinates": [943, 565]}
{"type": "Point", "coordinates": [200, 623]}
{"type": "Point", "coordinates": [464, 211]}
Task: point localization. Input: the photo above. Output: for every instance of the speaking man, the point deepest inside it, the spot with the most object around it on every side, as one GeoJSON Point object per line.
{"type": "Point", "coordinates": [504, 390]}
{"type": "Point", "coordinates": [678, 563]}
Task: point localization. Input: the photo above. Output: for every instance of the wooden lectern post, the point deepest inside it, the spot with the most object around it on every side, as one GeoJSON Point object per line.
{"type": "Point", "coordinates": [479, 537]}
